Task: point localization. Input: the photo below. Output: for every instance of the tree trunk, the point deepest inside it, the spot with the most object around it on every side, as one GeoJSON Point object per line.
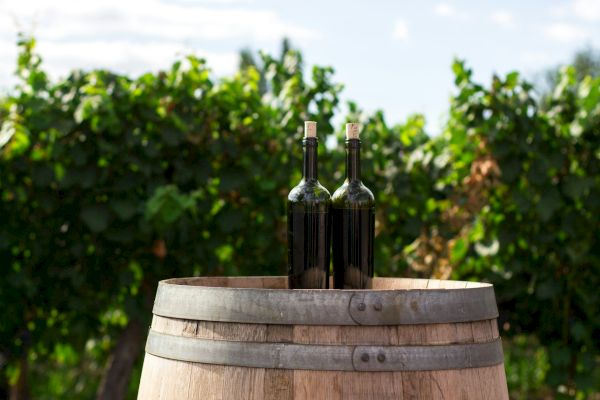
{"type": "Point", "coordinates": [20, 390]}
{"type": "Point", "coordinates": [121, 361]}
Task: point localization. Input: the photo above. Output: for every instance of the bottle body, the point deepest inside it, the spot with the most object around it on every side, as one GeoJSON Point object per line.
{"type": "Point", "coordinates": [309, 232]}
{"type": "Point", "coordinates": [353, 227]}
{"type": "Point", "coordinates": [353, 247]}
{"type": "Point", "coordinates": [309, 227]}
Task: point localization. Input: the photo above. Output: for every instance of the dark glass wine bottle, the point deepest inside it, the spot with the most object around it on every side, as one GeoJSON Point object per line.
{"type": "Point", "coordinates": [309, 222]}
{"type": "Point", "coordinates": [353, 225]}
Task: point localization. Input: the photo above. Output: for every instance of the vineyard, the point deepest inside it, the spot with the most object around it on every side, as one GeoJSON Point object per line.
{"type": "Point", "coordinates": [109, 184]}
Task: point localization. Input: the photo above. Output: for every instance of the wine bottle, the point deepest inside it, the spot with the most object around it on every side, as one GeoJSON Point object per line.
{"type": "Point", "coordinates": [309, 222]}
{"type": "Point", "coordinates": [353, 225]}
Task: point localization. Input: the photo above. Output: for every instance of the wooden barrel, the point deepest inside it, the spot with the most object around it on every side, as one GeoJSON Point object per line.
{"type": "Point", "coordinates": [251, 338]}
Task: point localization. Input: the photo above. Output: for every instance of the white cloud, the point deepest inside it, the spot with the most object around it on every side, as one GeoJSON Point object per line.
{"type": "Point", "coordinates": [61, 19]}
{"type": "Point", "coordinates": [566, 33]}
{"type": "Point", "coordinates": [400, 30]}
{"type": "Point", "coordinates": [447, 10]}
{"type": "Point", "coordinates": [503, 18]}
{"type": "Point", "coordinates": [588, 10]}
{"type": "Point", "coordinates": [444, 9]}
{"type": "Point", "coordinates": [558, 10]}
{"type": "Point", "coordinates": [134, 36]}
{"type": "Point", "coordinates": [124, 56]}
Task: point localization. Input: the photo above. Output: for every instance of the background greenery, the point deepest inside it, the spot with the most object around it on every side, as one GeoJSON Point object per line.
{"type": "Point", "coordinates": [110, 183]}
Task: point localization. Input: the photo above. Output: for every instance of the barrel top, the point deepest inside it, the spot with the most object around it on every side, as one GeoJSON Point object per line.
{"type": "Point", "coordinates": [281, 282]}
{"type": "Point", "coordinates": [266, 300]}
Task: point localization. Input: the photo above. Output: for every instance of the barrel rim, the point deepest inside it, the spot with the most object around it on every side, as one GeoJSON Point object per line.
{"type": "Point", "coordinates": [181, 282]}
{"type": "Point", "coordinates": [323, 306]}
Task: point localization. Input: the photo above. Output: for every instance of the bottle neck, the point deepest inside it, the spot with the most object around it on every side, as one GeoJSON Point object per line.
{"type": "Point", "coordinates": [353, 160]}
{"type": "Point", "coordinates": [309, 168]}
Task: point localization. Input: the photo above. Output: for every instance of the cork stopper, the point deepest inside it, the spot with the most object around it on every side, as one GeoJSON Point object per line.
{"type": "Point", "coordinates": [310, 129]}
{"type": "Point", "coordinates": [352, 130]}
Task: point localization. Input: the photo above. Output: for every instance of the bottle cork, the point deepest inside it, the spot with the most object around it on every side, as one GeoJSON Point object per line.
{"type": "Point", "coordinates": [352, 130]}
{"type": "Point", "coordinates": [310, 129]}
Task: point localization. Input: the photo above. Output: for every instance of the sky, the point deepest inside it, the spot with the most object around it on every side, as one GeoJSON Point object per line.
{"type": "Point", "coordinates": [390, 55]}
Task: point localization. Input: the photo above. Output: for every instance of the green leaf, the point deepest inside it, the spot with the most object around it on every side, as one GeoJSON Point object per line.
{"type": "Point", "coordinates": [172, 137]}
{"type": "Point", "coordinates": [14, 137]}
{"type": "Point", "coordinates": [511, 170]}
{"type": "Point", "coordinates": [579, 331]}
{"type": "Point", "coordinates": [566, 79]}
{"type": "Point", "coordinates": [576, 186]}
{"type": "Point", "coordinates": [462, 74]}
{"type": "Point", "coordinates": [231, 179]}
{"type": "Point", "coordinates": [42, 175]}
{"type": "Point", "coordinates": [548, 289]}
{"type": "Point", "coordinates": [7, 130]}
{"type": "Point", "coordinates": [512, 79]}
{"type": "Point", "coordinates": [538, 172]}
{"type": "Point", "coordinates": [167, 205]}
{"type": "Point", "coordinates": [523, 200]}
{"type": "Point", "coordinates": [412, 226]}
{"type": "Point", "coordinates": [224, 253]}
{"type": "Point", "coordinates": [96, 217]}
{"type": "Point", "coordinates": [459, 250]}
{"type": "Point", "coordinates": [125, 209]}
{"type": "Point", "coordinates": [267, 184]}
{"type": "Point", "coordinates": [549, 203]}
{"type": "Point", "coordinates": [229, 220]}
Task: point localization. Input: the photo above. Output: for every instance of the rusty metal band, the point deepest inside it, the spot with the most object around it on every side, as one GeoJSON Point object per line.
{"type": "Point", "coordinates": [325, 307]}
{"type": "Point", "coordinates": [325, 357]}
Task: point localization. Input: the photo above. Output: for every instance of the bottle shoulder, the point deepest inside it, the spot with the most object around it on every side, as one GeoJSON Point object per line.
{"type": "Point", "coordinates": [309, 192]}
{"type": "Point", "coordinates": [353, 195]}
